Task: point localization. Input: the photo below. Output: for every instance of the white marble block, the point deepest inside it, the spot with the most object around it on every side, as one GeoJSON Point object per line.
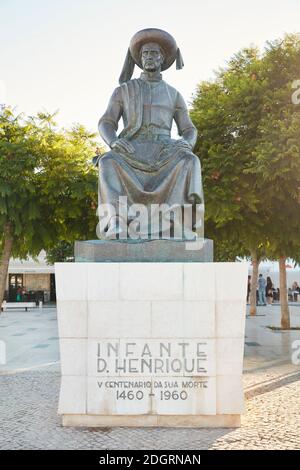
{"type": "Point", "coordinates": [151, 344]}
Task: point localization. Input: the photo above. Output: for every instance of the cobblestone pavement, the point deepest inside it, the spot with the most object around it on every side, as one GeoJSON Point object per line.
{"type": "Point", "coordinates": [29, 399]}
{"type": "Point", "coordinates": [28, 405]}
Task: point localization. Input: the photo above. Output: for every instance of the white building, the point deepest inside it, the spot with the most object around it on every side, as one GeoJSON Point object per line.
{"type": "Point", "coordinates": [33, 277]}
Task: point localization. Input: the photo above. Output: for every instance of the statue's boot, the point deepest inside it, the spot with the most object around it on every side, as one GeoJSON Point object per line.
{"type": "Point", "coordinates": [189, 234]}
{"type": "Point", "coordinates": [115, 229]}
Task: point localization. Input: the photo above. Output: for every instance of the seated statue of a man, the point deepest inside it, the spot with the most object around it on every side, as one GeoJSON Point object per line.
{"type": "Point", "coordinates": [145, 164]}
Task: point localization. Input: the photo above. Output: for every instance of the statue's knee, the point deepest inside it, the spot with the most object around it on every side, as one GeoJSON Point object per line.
{"type": "Point", "coordinates": [192, 160]}
{"type": "Point", "coordinates": [106, 160]}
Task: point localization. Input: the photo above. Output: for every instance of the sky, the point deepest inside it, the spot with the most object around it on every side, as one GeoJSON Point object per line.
{"type": "Point", "coordinates": [67, 55]}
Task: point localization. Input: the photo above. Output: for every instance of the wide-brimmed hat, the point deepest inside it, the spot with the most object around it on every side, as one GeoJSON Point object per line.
{"type": "Point", "coordinates": [165, 41]}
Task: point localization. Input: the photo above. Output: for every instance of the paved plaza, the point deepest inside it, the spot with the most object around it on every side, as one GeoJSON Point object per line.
{"type": "Point", "coordinates": [29, 384]}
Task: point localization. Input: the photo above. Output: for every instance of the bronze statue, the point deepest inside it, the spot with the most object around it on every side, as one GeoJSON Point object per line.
{"type": "Point", "coordinates": [145, 164]}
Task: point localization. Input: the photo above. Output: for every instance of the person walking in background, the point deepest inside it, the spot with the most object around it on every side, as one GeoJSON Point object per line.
{"type": "Point", "coordinates": [269, 291]}
{"type": "Point", "coordinates": [262, 290]}
{"type": "Point", "coordinates": [295, 290]}
{"type": "Point", "coordinates": [248, 288]}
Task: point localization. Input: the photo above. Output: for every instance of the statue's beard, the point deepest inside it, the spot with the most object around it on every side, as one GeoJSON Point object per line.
{"type": "Point", "coordinates": [151, 67]}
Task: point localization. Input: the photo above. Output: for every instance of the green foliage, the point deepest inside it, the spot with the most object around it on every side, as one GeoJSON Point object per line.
{"type": "Point", "coordinates": [63, 251]}
{"type": "Point", "coordinates": [248, 144]}
{"type": "Point", "coordinates": [48, 187]}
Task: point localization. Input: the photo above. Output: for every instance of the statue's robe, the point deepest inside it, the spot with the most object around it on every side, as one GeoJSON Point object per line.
{"type": "Point", "coordinates": [159, 172]}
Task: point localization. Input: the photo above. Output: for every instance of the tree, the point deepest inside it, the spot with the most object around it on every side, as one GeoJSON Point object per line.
{"type": "Point", "coordinates": [277, 155]}
{"type": "Point", "coordinates": [249, 147]}
{"type": "Point", "coordinates": [48, 187]}
{"type": "Point", "coordinates": [62, 252]}
{"type": "Point", "coordinates": [227, 112]}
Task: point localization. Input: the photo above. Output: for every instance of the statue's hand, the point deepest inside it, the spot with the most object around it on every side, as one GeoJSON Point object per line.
{"type": "Point", "coordinates": [122, 145]}
{"type": "Point", "coordinates": [183, 144]}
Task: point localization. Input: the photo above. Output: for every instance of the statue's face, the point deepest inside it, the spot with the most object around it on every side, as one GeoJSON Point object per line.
{"type": "Point", "coordinates": [151, 57]}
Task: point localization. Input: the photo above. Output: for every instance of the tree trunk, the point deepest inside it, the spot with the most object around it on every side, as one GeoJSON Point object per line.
{"type": "Point", "coordinates": [285, 314]}
{"type": "Point", "coordinates": [254, 277]}
{"type": "Point", "coordinates": [7, 248]}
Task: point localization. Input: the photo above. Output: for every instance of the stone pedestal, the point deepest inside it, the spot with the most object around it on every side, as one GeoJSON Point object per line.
{"type": "Point", "coordinates": [151, 344]}
{"type": "Point", "coordinates": [144, 251]}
